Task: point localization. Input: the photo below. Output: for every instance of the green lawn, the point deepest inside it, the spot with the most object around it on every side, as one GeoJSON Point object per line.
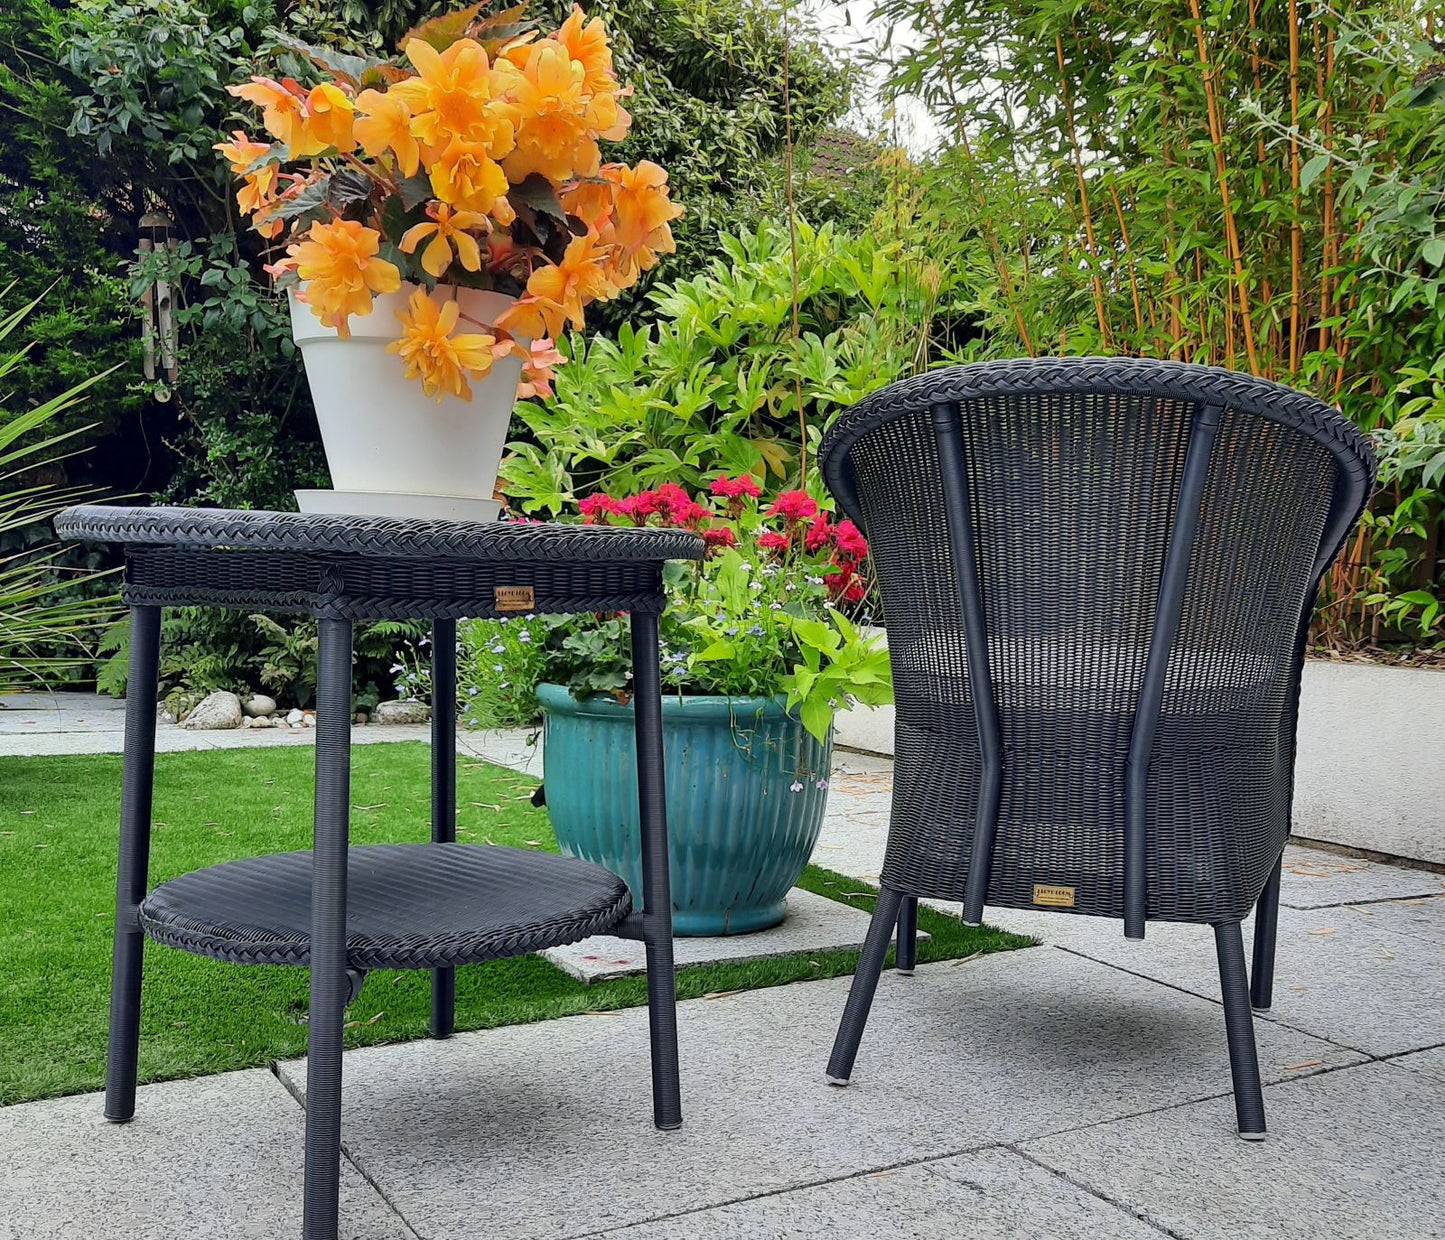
{"type": "Point", "coordinates": [58, 841]}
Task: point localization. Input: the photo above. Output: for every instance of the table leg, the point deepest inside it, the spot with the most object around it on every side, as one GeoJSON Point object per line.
{"type": "Point", "coordinates": [443, 793]}
{"type": "Point", "coordinates": [330, 986]}
{"type": "Point", "coordinates": [656, 884]}
{"type": "Point", "coordinates": [138, 780]}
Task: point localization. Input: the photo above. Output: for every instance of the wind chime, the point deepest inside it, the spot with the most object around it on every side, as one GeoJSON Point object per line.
{"type": "Point", "coordinates": [158, 323]}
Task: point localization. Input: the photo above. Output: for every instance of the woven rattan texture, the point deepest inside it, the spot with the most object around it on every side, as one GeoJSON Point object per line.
{"type": "Point", "coordinates": [1074, 470]}
{"type": "Point", "coordinates": [409, 906]}
{"type": "Point", "coordinates": [367, 587]}
{"type": "Point", "coordinates": [374, 536]}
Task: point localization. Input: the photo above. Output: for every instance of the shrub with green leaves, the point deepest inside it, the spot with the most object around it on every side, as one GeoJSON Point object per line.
{"type": "Point", "coordinates": [721, 381]}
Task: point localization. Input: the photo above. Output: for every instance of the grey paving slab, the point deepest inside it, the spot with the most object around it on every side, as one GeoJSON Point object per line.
{"type": "Point", "coordinates": [991, 1195]}
{"type": "Point", "coordinates": [814, 924]}
{"type": "Point", "coordinates": [219, 1157]}
{"type": "Point", "coordinates": [1317, 878]}
{"type": "Point", "coordinates": [1351, 1155]}
{"type": "Point", "coordinates": [1367, 976]}
{"type": "Point", "coordinates": [855, 824]}
{"type": "Point", "coordinates": [1431, 1062]}
{"type": "Point", "coordinates": [474, 1134]}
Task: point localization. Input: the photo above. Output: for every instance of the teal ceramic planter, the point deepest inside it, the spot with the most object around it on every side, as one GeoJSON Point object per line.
{"type": "Point", "coordinates": [746, 788]}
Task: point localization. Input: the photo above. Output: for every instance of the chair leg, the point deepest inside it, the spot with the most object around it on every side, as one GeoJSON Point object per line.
{"type": "Point", "coordinates": [131, 880]}
{"type": "Point", "coordinates": [906, 959]}
{"type": "Point", "coordinates": [1239, 1027]}
{"type": "Point", "coordinates": [443, 793]}
{"type": "Point", "coordinates": [1266, 925]}
{"type": "Point", "coordinates": [656, 882]}
{"type": "Point", "coordinates": [865, 984]}
{"type": "Point", "coordinates": [330, 984]}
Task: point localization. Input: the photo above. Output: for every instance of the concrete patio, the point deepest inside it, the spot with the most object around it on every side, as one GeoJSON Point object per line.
{"type": "Point", "coordinates": [1076, 1089]}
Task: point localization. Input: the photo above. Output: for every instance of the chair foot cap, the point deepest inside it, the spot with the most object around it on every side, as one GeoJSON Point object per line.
{"type": "Point", "coordinates": [904, 972]}
{"type": "Point", "coordinates": [1256, 1008]}
{"type": "Point", "coordinates": [1251, 1136]}
{"type": "Point", "coordinates": [672, 1126]}
{"type": "Point", "coordinates": [840, 1081]}
{"type": "Point", "coordinates": [973, 924]}
{"type": "Point", "coordinates": [119, 1119]}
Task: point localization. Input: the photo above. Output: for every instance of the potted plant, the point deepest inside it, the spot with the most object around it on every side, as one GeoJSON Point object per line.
{"type": "Point", "coordinates": [440, 216]}
{"type": "Point", "coordinates": [758, 653]}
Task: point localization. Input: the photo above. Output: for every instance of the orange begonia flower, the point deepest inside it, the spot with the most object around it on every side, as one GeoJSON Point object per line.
{"type": "Point", "coordinates": [447, 230]}
{"type": "Point", "coordinates": [590, 201]}
{"type": "Point", "coordinates": [539, 368]}
{"type": "Point", "coordinates": [452, 98]}
{"type": "Point", "coordinates": [465, 176]}
{"type": "Point", "coordinates": [283, 110]}
{"type": "Point", "coordinates": [328, 118]}
{"type": "Point", "coordinates": [340, 271]}
{"type": "Point", "coordinates": [258, 187]}
{"type": "Point", "coordinates": [556, 294]}
{"type": "Point", "coordinates": [586, 43]}
{"type": "Point", "coordinates": [442, 361]}
{"type": "Point", "coordinates": [643, 213]}
{"type": "Point", "coordinates": [554, 137]}
{"type": "Point", "coordinates": [383, 123]}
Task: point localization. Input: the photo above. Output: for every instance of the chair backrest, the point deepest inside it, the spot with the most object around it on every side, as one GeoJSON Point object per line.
{"type": "Point", "coordinates": [1097, 576]}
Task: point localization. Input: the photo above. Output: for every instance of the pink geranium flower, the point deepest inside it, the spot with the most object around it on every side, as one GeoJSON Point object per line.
{"type": "Point", "coordinates": [732, 488]}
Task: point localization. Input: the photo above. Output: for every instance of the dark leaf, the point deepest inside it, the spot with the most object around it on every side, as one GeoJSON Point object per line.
{"type": "Point", "coordinates": [415, 190]}
{"type": "Point", "coordinates": [537, 192]}
{"type": "Point", "coordinates": [349, 188]}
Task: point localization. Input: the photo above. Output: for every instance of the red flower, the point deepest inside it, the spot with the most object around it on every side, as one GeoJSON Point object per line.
{"type": "Point", "coordinates": [774, 541]}
{"type": "Point", "coordinates": [794, 506]}
{"type": "Point", "coordinates": [689, 514]}
{"type": "Point", "coordinates": [849, 539]}
{"type": "Point", "coordinates": [820, 533]}
{"type": "Point", "coordinates": [733, 488]}
{"type": "Point", "coordinates": [597, 507]}
{"type": "Point", "coordinates": [720, 536]}
{"type": "Point", "coordinates": [645, 503]}
{"type": "Point", "coordinates": [854, 593]}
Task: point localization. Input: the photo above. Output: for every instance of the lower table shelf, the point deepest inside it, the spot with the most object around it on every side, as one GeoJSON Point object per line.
{"type": "Point", "coordinates": [409, 906]}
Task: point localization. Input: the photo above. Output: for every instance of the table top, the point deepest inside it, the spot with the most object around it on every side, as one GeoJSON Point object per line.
{"type": "Point", "coordinates": [375, 568]}
{"type": "Point", "coordinates": [391, 537]}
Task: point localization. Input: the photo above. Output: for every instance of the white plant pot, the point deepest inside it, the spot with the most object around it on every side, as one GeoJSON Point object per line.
{"type": "Point", "coordinates": [393, 450]}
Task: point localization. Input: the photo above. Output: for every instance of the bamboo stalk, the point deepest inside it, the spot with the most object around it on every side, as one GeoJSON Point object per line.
{"type": "Point", "coordinates": [1296, 229]}
{"type": "Point", "coordinates": [1129, 254]}
{"type": "Point", "coordinates": [1090, 247]}
{"type": "Point", "coordinates": [1329, 255]}
{"type": "Point", "coordinates": [1231, 230]}
{"type": "Point", "coordinates": [793, 249]}
{"type": "Point", "coordinates": [956, 111]}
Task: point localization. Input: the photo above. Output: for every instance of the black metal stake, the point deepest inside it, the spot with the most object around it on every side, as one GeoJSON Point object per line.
{"type": "Point", "coordinates": [443, 793]}
{"type": "Point", "coordinates": [1266, 926]}
{"type": "Point", "coordinates": [656, 882]}
{"type": "Point", "coordinates": [906, 958]}
{"type": "Point", "coordinates": [330, 986]}
{"type": "Point", "coordinates": [137, 783]}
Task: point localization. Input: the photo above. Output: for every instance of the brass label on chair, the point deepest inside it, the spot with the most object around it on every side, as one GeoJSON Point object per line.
{"type": "Point", "coordinates": [1052, 896]}
{"type": "Point", "coordinates": [514, 598]}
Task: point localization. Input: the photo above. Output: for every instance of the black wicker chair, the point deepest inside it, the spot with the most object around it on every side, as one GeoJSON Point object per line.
{"type": "Point", "coordinates": [1097, 576]}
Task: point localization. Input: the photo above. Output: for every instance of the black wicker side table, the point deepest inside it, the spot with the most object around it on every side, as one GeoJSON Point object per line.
{"type": "Point", "coordinates": [341, 910]}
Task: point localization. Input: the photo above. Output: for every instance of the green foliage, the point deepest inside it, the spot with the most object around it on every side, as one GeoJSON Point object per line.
{"type": "Point", "coordinates": [759, 617]}
{"type": "Point", "coordinates": [46, 619]}
{"type": "Point", "coordinates": [719, 382]}
{"type": "Point", "coordinates": [1196, 180]}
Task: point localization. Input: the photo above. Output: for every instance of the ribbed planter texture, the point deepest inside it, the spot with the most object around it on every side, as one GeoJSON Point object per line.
{"type": "Point", "coordinates": [744, 801]}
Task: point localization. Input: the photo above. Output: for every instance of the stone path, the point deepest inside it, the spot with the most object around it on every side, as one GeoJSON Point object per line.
{"type": "Point", "coordinates": [1076, 1089]}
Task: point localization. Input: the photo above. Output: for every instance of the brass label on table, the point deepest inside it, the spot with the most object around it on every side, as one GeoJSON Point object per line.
{"type": "Point", "coordinates": [517, 598]}
{"type": "Point", "coordinates": [1052, 896]}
